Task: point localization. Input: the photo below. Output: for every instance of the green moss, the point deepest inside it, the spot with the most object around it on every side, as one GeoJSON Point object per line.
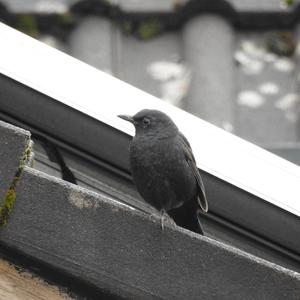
{"type": "Point", "coordinates": [149, 28]}
{"type": "Point", "coordinates": [28, 25]}
{"type": "Point", "coordinates": [10, 196]}
{"type": "Point", "coordinates": [7, 206]}
{"type": "Point", "coordinates": [288, 2]}
{"type": "Point", "coordinates": [27, 153]}
{"type": "Point", "coordinates": [67, 18]}
{"type": "Point", "coordinates": [282, 43]}
{"type": "Point", "coordinates": [127, 27]}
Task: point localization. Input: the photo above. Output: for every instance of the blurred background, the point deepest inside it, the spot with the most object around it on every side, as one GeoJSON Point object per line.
{"type": "Point", "coordinates": [233, 63]}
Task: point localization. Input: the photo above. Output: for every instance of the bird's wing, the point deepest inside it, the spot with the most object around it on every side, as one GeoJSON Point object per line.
{"type": "Point", "coordinates": [189, 156]}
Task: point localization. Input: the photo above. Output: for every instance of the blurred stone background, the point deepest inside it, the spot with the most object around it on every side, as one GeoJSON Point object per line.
{"type": "Point", "coordinates": [233, 63]}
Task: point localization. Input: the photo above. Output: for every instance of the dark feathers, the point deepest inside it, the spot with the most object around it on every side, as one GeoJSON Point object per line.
{"type": "Point", "coordinates": [192, 163]}
{"type": "Point", "coordinates": [164, 169]}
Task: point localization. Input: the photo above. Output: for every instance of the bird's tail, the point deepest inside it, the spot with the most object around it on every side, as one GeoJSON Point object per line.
{"type": "Point", "coordinates": [187, 216]}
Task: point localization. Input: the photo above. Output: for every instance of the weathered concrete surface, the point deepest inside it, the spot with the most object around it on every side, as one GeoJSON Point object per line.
{"type": "Point", "coordinates": [124, 252]}
{"type": "Point", "coordinates": [13, 142]}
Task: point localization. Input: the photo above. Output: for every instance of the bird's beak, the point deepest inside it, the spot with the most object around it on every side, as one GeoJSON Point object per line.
{"type": "Point", "coordinates": [126, 118]}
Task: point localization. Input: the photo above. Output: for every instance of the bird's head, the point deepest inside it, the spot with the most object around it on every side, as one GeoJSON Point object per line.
{"type": "Point", "coordinates": [152, 122]}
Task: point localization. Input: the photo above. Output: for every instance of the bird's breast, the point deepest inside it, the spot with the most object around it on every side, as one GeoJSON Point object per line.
{"type": "Point", "coordinates": [161, 173]}
{"type": "Point", "coordinates": [155, 156]}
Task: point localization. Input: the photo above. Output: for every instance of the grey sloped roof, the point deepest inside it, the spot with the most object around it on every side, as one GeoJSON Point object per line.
{"type": "Point", "coordinates": [124, 253]}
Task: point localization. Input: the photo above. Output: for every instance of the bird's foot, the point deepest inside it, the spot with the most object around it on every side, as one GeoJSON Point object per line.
{"type": "Point", "coordinates": [164, 218]}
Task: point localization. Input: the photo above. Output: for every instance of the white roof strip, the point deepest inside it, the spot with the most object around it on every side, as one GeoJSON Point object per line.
{"type": "Point", "coordinates": [103, 97]}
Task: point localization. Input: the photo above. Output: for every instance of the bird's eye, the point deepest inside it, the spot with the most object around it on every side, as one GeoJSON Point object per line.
{"type": "Point", "coordinates": [146, 121]}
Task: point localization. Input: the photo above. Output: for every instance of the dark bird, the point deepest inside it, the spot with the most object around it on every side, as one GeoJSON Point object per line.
{"type": "Point", "coordinates": [164, 169]}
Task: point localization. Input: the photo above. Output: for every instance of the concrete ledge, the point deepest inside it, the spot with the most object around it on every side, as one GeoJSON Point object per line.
{"type": "Point", "coordinates": [124, 252]}
{"type": "Point", "coordinates": [13, 144]}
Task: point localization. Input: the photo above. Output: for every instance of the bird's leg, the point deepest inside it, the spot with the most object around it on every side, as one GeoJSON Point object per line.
{"type": "Point", "coordinates": [162, 216]}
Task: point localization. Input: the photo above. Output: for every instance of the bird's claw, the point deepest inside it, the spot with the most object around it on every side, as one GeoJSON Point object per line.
{"type": "Point", "coordinates": [162, 222]}
{"type": "Point", "coordinates": [164, 218]}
